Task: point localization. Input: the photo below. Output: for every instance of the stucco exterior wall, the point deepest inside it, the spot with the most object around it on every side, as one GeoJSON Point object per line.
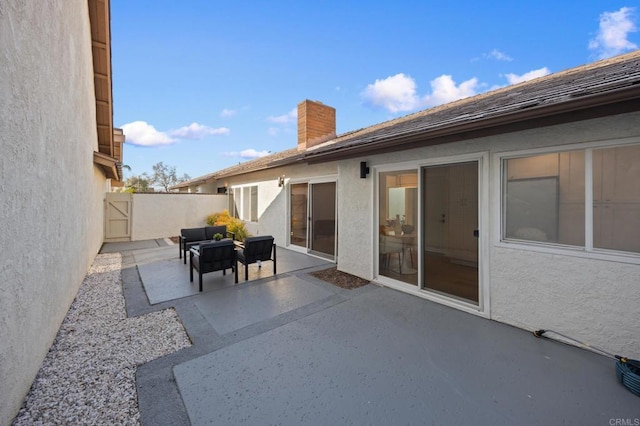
{"type": "Point", "coordinates": [163, 215]}
{"type": "Point", "coordinates": [51, 194]}
{"type": "Point", "coordinates": [273, 201]}
{"type": "Point", "coordinates": [590, 299]}
{"type": "Point", "coordinates": [355, 220]}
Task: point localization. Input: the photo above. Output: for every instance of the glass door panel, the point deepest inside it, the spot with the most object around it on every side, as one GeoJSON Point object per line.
{"type": "Point", "coordinates": [450, 230]}
{"type": "Point", "coordinates": [398, 210]}
{"type": "Point", "coordinates": [323, 218]}
{"type": "Point", "coordinates": [299, 216]}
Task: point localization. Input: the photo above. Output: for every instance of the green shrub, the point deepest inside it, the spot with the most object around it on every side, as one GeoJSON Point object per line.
{"type": "Point", "coordinates": [233, 224]}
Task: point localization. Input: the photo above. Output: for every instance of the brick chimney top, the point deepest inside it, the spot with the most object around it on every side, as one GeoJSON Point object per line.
{"type": "Point", "coordinates": [316, 124]}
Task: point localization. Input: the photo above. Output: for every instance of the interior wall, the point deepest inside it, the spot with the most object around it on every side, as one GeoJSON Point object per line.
{"type": "Point", "coordinates": [51, 194]}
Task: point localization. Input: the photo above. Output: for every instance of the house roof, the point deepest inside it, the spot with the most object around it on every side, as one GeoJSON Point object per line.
{"type": "Point", "coordinates": [261, 163]}
{"type": "Point", "coordinates": [606, 87]}
{"type": "Point", "coordinates": [584, 92]}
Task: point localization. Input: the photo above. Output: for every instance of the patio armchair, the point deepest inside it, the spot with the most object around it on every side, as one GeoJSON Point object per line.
{"type": "Point", "coordinates": [257, 249]}
{"type": "Point", "coordinates": [213, 256]}
{"type": "Point", "coordinates": [192, 236]}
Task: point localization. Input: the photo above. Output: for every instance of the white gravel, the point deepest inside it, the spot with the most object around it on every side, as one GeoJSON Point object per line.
{"type": "Point", "coordinates": [88, 376]}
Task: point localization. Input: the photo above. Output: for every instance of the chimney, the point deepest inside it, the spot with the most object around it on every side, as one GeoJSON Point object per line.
{"type": "Point", "coordinates": [316, 124]}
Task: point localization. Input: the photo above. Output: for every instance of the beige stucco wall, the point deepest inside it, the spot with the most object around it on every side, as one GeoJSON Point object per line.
{"type": "Point", "coordinates": [163, 215]}
{"type": "Point", "coordinates": [593, 300]}
{"type": "Point", "coordinates": [355, 220]}
{"type": "Point", "coordinates": [273, 200]}
{"type": "Point", "coordinates": [51, 194]}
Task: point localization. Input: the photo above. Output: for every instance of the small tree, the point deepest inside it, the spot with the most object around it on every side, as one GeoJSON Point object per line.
{"type": "Point", "coordinates": [140, 183]}
{"type": "Point", "coordinates": [165, 176]}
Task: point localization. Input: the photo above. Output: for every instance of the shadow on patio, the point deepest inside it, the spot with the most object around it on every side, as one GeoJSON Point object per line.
{"type": "Point", "coordinates": [292, 349]}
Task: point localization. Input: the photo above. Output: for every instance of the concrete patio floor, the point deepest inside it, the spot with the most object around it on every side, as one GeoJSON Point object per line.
{"type": "Point", "coordinates": [292, 349]}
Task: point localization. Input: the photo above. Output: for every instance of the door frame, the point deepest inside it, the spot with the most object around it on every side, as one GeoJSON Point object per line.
{"type": "Point", "coordinates": [309, 182]}
{"type": "Point", "coordinates": [484, 303]}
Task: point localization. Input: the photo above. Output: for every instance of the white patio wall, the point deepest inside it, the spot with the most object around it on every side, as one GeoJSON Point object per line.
{"type": "Point", "coordinates": [163, 215]}
{"type": "Point", "coordinates": [51, 194]}
{"type": "Point", "coordinates": [593, 300]}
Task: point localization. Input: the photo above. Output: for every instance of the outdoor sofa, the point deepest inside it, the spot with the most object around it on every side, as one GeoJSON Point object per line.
{"type": "Point", "coordinates": [192, 236]}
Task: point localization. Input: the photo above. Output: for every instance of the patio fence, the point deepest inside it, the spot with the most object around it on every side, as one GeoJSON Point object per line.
{"type": "Point", "coordinates": [144, 216]}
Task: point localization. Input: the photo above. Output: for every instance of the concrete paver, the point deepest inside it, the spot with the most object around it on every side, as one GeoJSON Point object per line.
{"type": "Point", "coordinates": [233, 309]}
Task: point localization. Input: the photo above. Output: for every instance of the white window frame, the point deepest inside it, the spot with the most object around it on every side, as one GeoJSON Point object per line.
{"type": "Point", "coordinates": [586, 251]}
{"type": "Point", "coordinates": [239, 201]}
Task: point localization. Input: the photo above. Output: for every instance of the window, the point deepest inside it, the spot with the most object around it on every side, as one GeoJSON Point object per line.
{"type": "Point", "coordinates": [246, 203]}
{"type": "Point", "coordinates": [616, 198]}
{"type": "Point", "coordinates": [243, 203]}
{"type": "Point", "coordinates": [254, 203]}
{"type": "Point", "coordinates": [234, 199]}
{"type": "Point", "coordinates": [545, 198]}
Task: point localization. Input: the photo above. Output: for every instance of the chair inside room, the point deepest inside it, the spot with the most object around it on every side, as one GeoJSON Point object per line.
{"type": "Point", "coordinates": [213, 256]}
{"type": "Point", "coordinates": [409, 240]}
{"type": "Point", "coordinates": [389, 246]}
{"type": "Point", "coordinates": [257, 249]}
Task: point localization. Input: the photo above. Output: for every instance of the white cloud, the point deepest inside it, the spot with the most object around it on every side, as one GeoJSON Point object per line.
{"type": "Point", "coordinates": [611, 38]}
{"type": "Point", "coordinates": [252, 153]}
{"type": "Point", "coordinates": [514, 78]}
{"type": "Point", "coordinates": [198, 131]}
{"type": "Point", "coordinates": [289, 117]}
{"type": "Point", "coordinates": [247, 154]}
{"type": "Point", "coordinates": [142, 133]}
{"type": "Point", "coordinates": [500, 56]}
{"type": "Point", "coordinates": [228, 113]}
{"type": "Point", "coordinates": [445, 90]}
{"type": "Point", "coordinates": [396, 93]}
{"type": "Point", "coordinates": [273, 131]}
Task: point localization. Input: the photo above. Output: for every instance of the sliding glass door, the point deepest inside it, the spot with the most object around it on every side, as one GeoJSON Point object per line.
{"type": "Point", "coordinates": [397, 232]}
{"type": "Point", "coordinates": [323, 218]}
{"type": "Point", "coordinates": [428, 230]}
{"type": "Point", "coordinates": [450, 230]}
{"type": "Point", "coordinates": [313, 218]}
{"type": "Point", "coordinates": [298, 223]}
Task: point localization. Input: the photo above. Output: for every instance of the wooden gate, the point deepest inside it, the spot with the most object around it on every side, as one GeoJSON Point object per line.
{"type": "Point", "coordinates": [117, 217]}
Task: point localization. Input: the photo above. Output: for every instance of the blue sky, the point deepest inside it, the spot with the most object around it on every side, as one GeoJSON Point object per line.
{"type": "Point", "coordinates": [203, 85]}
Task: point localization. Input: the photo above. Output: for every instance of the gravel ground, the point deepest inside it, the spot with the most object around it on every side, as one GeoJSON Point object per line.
{"type": "Point", "coordinates": [339, 278]}
{"type": "Point", "coordinates": [88, 376]}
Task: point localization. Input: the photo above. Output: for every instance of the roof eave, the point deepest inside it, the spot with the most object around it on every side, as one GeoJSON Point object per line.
{"type": "Point", "coordinates": [111, 167]}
